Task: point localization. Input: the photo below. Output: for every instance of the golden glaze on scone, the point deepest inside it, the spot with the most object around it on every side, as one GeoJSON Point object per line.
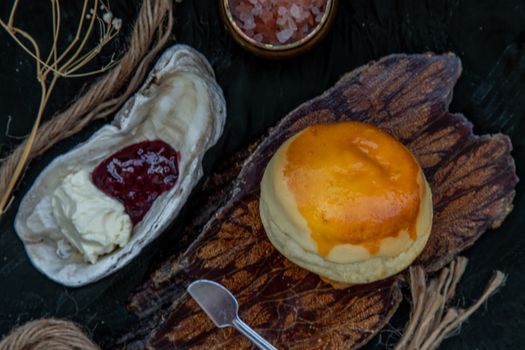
{"type": "Point", "coordinates": [353, 183]}
{"type": "Point", "coordinates": [346, 201]}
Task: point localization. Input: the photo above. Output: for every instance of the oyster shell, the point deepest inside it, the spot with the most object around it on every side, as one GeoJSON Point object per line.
{"type": "Point", "coordinates": [190, 119]}
{"type": "Point", "coordinates": [472, 178]}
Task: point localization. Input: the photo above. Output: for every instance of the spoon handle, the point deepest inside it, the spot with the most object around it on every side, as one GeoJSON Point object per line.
{"type": "Point", "coordinates": [249, 333]}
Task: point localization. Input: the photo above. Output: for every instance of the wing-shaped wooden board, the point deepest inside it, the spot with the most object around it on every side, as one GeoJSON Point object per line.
{"type": "Point", "coordinates": [472, 180]}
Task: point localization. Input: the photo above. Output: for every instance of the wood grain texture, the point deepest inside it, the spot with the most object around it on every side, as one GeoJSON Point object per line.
{"type": "Point", "coordinates": [472, 179]}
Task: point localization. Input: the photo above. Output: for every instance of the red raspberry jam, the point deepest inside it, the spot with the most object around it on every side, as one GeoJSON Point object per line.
{"type": "Point", "coordinates": [138, 174]}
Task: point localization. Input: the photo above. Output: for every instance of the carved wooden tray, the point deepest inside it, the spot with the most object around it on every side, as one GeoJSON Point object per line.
{"type": "Point", "coordinates": [472, 180]}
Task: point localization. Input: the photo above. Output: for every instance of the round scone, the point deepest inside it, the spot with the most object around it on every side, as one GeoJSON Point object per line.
{"type": "Point", "coordinates": [346, 201]}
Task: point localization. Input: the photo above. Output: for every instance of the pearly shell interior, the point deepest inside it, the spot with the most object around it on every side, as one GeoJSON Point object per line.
{"type": "Point", "coordinates": [180, 103]}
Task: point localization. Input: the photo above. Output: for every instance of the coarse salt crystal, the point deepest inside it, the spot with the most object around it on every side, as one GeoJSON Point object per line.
{"type": "Point", "coordinates": [281, 21]}
{"type": "Point", "coordinates": [295, 11]}
{"type": "Point", "coordinates": [246, 16]}
{"type": "Point", "coordinates": [284, 35]}
{"type": "Point", "coordinates": [291, 24]}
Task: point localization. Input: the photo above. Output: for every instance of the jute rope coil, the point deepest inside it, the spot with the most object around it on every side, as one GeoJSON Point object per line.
{"type": "Point", "coordinates": [151, 31]}
{"type": "Point", "coordinates": [48, 334]}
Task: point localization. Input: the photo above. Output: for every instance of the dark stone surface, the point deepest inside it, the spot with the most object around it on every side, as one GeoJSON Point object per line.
{"type": "Point", "coordinates": [488, 36]}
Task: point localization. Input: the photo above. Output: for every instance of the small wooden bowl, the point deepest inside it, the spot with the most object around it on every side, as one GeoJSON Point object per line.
{"type": "Point", "coordinates": [278, 51]}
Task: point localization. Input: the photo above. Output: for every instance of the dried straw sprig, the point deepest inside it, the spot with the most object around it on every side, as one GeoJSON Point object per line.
{"type": "Point", "coordinates": [65, 64]}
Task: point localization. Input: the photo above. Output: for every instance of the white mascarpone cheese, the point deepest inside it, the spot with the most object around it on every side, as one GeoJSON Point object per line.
{"type": "Point", "coordinates": [89, 219]}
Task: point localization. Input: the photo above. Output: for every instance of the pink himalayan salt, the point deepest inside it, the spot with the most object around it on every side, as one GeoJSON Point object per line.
{"type": "Point", "coordinates": [277, 21]}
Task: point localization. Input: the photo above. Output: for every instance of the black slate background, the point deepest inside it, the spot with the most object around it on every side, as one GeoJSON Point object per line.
{"type": "Point", "coordinates": [488, 35]}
